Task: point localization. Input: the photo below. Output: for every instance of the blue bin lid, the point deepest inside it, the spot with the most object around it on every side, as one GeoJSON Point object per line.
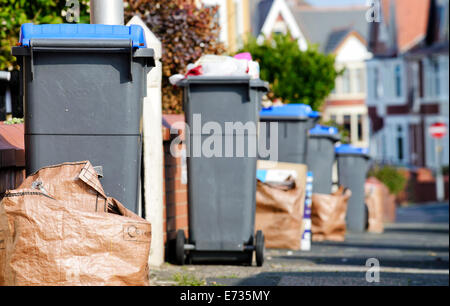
{"type": "Point", "coordinates": [314, 114]}
{"type": "Point", "coordinates": [347, 149]}
{"type": "Point", "coordinates": [287, 111]}
{"type": "Point", "coordinates": [322, 130]}
{"type": "Point", "coordinates": [135, 33]}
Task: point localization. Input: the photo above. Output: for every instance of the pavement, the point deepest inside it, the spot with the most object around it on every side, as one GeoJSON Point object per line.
{"type": "Point", "coordinates": [412, 252]}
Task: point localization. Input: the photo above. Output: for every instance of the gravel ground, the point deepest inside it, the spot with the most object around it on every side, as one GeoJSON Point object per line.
{"type": "Point", "coordinates": [412, 252]}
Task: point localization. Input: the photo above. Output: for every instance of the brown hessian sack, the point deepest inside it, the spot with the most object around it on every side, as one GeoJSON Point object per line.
{"type": "Point", "coordinates": [328, 215]}
{"type": "Point", "coordinates": [375, 199]}
{"type": "Point", "coordinates": [59, 228]}
{"type": "Point", "coordinates": [279, 214]}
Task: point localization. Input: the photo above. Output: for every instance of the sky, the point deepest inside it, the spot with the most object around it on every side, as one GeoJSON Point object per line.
{"type": "Point", "coordinates": [336, 2]}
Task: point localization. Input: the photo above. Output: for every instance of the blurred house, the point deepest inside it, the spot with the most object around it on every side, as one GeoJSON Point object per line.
{"type": "Point", "coordinates": [234, 19]}
{"type": "Point", "coordinates": [275, 16]}
{"type": "Point", "coordinates": [342, 31]}
{"type": "Point", "coordinates": [408, 81]}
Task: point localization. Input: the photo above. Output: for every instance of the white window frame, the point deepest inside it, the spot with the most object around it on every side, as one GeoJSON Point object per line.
{"type": "Point", "coordinates": [223, 17]}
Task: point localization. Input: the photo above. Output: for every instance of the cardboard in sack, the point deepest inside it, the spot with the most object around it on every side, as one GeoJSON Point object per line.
{"type": "Point", "coordinates": [328, 215]}
{"type": "Point", "coordinates": [59, 228]}
{"type": "Point", "coordinates": [280, 208]}
{"type": "Point", "coordinates": [375, 200]}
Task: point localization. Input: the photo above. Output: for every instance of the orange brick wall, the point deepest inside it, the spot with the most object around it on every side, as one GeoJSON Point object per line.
{"type": "Point", "coordinates": [175, 195]}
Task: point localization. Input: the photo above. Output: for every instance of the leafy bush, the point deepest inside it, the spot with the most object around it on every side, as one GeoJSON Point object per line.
{"type": "Point", "coordinates": [345, 133]}
{"type": "Point", "coordinates": [14, 13]}
{"type": "Point", "coordinates": [186, 32]}
{"type": "Point", "coordinates": [295, 76]}
{"type": "Point", "coordinates": [14, 121]}
{"type": "Point", "coordinates": [390, 176]}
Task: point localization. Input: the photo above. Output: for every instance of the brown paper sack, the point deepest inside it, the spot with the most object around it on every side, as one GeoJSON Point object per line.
{"type": "Point", "coordinates": [279, 214]}
{"type": "Point", "coordinates": [328, 215]}
{"type": "Point", "coordinates": [59, 228]}
{"type": "Point", "coordinates": [375, 197]}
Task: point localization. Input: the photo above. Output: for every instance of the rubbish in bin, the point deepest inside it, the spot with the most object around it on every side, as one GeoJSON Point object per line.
{"type": "Point", "coordinates": [280, 207]}
{"type": "Point", "coordinates": [276, 176]}
{"type": "Point", "coordinates": [83, 91]}
{"type": "Point", "coordinates": [375, 201]}
{"type": "Point", "coordinates": [59, 228]}
{"type": "Point", "coordinates": [217, 65]}
{"type": "Point", "coordinates": [328, 215]}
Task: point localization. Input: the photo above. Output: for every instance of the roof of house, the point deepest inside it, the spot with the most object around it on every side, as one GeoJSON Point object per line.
{"type": "Point", "coordinates": [260, 9]}
{"type": "Point", "coordinates": [329, 26]}
{"type": "Point", "coordinates": [410, 19]}
{"type": "Point", "coordinates": [12, 145]}
{"type": "Point", "coordinates": [266, 13]}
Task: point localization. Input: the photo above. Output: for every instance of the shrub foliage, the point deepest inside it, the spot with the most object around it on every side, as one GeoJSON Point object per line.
{"type": "Point", "coordinates": [295, 76]}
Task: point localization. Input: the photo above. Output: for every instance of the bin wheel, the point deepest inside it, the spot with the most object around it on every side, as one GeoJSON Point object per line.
{"type": "Point", "coordinates": [259, 248]}
{"type": "Point", "coordinates": [179, 248]}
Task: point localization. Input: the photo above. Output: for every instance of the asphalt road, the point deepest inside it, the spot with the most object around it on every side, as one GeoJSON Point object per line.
{"type": "Point", "coordinates": [412, 252]}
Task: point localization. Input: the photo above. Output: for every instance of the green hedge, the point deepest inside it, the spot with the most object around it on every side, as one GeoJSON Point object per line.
{"type": "Point", "coordinates": [391, 177]}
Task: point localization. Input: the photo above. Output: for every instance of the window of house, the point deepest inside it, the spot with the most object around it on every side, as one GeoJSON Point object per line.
{"type": "Point", "coordinates": [378, 87]}
{"type": "Point", "coordinates": [400, 143]}
{"type": "Point", "coordinates": [360, 128]}
{"type": "Point", "coordinates": [437, 77]}
{"type": "Point", "coordinates": [360, 80]}
{"type": "Point", "coordinates": [348, 124]}
{"type": "Point", "coordinates": [432, 78]}
{"type": "Point", "coordinates": [346, 82]}
{"type": "Point", "coordinates": [398, 81]}
{"type": "Point", "coordinates": [239, 22]}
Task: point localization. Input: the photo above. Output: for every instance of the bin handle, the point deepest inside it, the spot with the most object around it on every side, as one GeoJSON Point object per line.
{"type": "Point", "coordinates": [81, 44]}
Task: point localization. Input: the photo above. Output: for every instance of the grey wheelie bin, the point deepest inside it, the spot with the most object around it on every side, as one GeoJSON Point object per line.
{"type": "Point", "coordinates": [353, 164]}
{"type": "Point", "coordinates": [294, 122]}
{"type": "Point", "coordinates": [222, 116]}
{"type": "Point", "coordinates": [321, 156]}
{"type": "Point", "coordinates": [83, 87]}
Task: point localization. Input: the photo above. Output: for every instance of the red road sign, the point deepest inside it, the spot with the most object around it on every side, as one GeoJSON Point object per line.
{"type": "Point", "coordinates": [438, 130]}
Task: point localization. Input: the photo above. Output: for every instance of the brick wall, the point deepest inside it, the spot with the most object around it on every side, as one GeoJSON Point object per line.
{"type": "Point", "coordinates": [175, 194]}
{"type": "Point", "coordinates": [175, 185]}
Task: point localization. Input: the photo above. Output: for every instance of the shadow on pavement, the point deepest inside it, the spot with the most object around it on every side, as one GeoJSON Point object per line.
{"type": "Point", "coordinates": [386, 247]}
{"type": "Point", "coordinates": [432, 264]}
{"type": "Point", "coordinates": [335, 279]}
{"type": "Point", "coordinates": [417, 230]}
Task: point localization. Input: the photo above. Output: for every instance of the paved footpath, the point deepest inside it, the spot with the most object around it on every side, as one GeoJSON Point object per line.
{"type": "Point", "coordinates": [412, 252]}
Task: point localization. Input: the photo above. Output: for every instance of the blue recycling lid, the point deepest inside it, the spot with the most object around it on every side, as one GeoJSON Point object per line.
{"type": "Point", "coordinates": [347, 149]}
{"type": "Point", "coordinates": [287, 111]}
{"type": "Point", "coordinates": [135, 33]}
{"type": "Point", "coordinates": [320, 130]}
{"type": "Point", "coordinates": [314, 114]}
